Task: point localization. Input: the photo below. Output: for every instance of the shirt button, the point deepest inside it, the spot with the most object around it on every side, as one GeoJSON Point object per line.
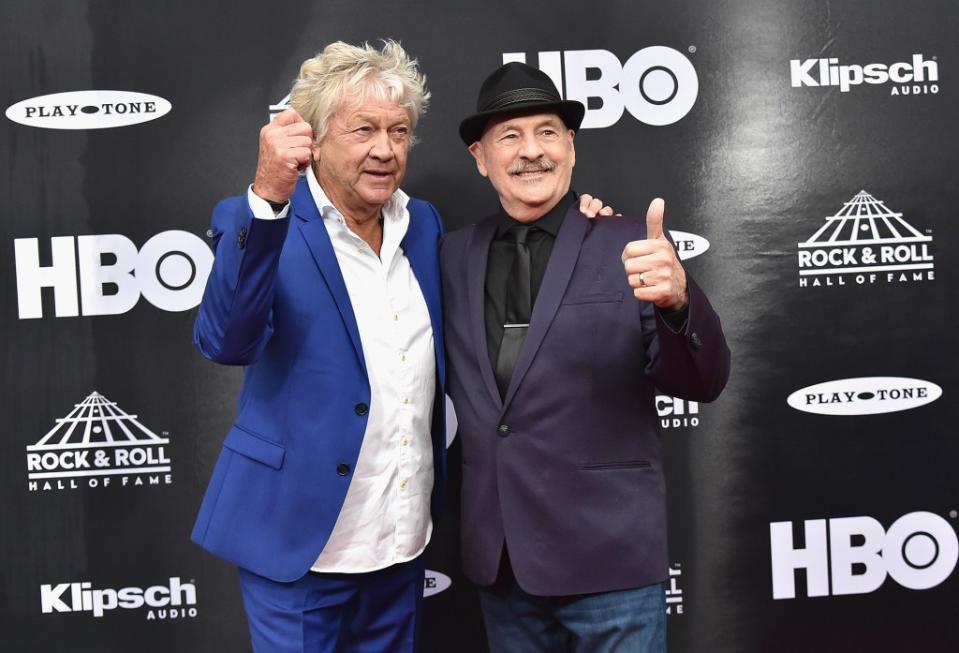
{"type": "Point", "coordinates": [406, 400]}
{"type": "Point", "coordinates": [342, 469]}
{"type": "Point", "coordinates": [396, 317]}
{"type": "Point", "coordinates": [503, 430]}
{"type": "Point", "coordinates": [403, 485]}
{"type": "Point", "coordinates": [402, 358]}
{"type": "Point", "coordinates": [361, 409]}
{"type": "Point", "coordinates": [405, 442]}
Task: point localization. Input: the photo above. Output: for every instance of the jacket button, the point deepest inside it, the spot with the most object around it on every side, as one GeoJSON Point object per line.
{"type": "Point", "coordinates": [342, 469]}
{"type": "Point", "coordinates": [361, 409]}
{"type": "Point", "coordinates": [503, 430]}
{"type": "Point", "coordinates": [696, 341]}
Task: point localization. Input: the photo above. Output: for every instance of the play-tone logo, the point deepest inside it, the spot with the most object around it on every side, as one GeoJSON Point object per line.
{"type": "Point", "coordinates": [88, 110]}
{"type": "Point", "coordinates": [451, 422]}
{"type": "Point", "coordinates": [656, 85]}
{"type": "Point", "coordinates": [870, 395]}
{"type": "Point", "coordinates": [854, 555]}
{"type": "Point", "coordinates": [170, 270]}
{"type": "Point", "coordinates": [688, 245]}
{"type": "Point", "coordinates": [175, 600]}
{"type": "Point", "coordinates": [865, 243]}
{"type": "Point", "coordinates": [675, 413]}
{"type": "Point", "coordinates": [916, 77]}
{"type": "Point", "coordinates": [434, 582]}
{"type": "Point", "coordinates": [98, 445]}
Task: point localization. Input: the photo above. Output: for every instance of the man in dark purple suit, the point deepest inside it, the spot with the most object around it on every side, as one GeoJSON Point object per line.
{"type": "Point", "coordinates": [559, 329]}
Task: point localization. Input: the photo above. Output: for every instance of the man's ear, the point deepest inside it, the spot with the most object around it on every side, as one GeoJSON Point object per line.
{"type": "Point", "coordinates": [572, 147]}
{"type": "Point", "coordinates": [476, 149]}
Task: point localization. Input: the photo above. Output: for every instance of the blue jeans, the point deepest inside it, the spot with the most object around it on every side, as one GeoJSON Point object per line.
{"type": "Point", "coordinates": [625, 621]}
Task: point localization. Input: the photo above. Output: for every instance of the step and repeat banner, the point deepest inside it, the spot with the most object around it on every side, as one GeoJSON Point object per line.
{"type": "Point", "coordinates": [808, 156]}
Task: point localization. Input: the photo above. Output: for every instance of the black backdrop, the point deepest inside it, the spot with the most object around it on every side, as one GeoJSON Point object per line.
{"type": "Point", "coordinates": [850, 481]}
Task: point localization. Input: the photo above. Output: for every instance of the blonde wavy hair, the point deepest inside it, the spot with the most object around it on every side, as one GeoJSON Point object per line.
{"type": "Point", "coordinates": [348, 73]}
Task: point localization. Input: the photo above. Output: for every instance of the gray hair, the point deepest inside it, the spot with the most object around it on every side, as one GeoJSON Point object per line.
{"type": "Point", "coordinates": [348, 73]}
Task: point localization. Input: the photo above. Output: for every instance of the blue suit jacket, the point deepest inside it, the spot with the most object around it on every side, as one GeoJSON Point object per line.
{"type": "Point", "coordinates": [566, 470]}
{"type": "Point", "coordinates": [276, 302]}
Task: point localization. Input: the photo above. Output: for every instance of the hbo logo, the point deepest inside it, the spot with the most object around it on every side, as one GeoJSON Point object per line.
{"type": "Point", "coordinates": [919, 551]}
{"type": "Point", "coordinates": [657, 85]}
{"type": "Point", "coordinates": [170, 270]}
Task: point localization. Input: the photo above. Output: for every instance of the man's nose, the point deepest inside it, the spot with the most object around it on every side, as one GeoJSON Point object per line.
{"type": "Point", "coordinates": [530, 148]}
{"type": "Point", "coordinates": [382, 146]}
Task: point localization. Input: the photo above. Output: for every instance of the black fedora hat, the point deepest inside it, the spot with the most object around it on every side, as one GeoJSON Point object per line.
{"type": "Point", "coordinates": [516, 87]}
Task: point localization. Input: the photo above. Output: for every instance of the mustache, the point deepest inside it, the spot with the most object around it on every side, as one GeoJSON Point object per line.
{"type": "Point", "coordinates": [539, 165]}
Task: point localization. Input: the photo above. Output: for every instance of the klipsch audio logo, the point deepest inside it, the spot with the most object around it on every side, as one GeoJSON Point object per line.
{"type": "Point", "coordinates": [864, 396]}
{"type": "Point", "coordinates": [170, 270]}
{"type": "Point", "coordinates": [434, 582]}
{"type": "Point", "coordinates": [675, 413]}
{"type": "Point", "coordinates": [865, 242]}
{"type": "Point", "coordinates": [674, 593]}
{"type": "Point", "coordinates": [854, 555]}
{"type": "Point", "coordinates": [98, 445]}
{"type": "Point", "coordinates": [656, 85]}
{"type": "Point", "coordinates": [688, 245]}
{"type": "Point", "coordinates": [88, 110]}
{"type": "Point", "coordinates": [175, 600]}
{"type": "Point", "coordinates": [916, 77]}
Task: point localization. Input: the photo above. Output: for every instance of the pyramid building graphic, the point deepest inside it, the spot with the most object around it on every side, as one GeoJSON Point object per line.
{"type": "Point", "coordinates": [96, 422]}
{"type": "Point", "coordinates": [864, 220]}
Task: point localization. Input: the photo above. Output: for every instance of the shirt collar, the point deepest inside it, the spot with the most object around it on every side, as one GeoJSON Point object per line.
{"type": "Point", "coordinates": [393, 211]}
{"type": "Point", "coordinates": [550, 223]}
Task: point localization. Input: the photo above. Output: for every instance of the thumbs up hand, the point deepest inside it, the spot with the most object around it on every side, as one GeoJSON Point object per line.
{"type": "Point", "coordinates": [652, 268]}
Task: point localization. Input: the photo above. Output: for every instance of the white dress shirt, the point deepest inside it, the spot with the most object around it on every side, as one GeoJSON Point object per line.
{"type": "Point", "coordinates": [385, 518]}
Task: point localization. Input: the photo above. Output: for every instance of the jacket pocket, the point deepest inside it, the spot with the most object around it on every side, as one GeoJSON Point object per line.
{"type": "Point", "coordinates": [624, 464]}
{"type": "Point", "coordinates": [594, 298]}
{"type": "Point", "coordinates": [255, 447]}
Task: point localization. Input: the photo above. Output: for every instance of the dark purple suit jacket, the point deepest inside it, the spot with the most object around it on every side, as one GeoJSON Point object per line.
{"type": "Point", "coordinates": [567, 470]}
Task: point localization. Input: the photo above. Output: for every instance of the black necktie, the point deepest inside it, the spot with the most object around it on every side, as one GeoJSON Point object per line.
{"type": "Point", "coordinates": [519, 305]}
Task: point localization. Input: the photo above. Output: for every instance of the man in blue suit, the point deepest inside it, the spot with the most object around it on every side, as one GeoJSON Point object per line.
{"type": "Point", "coordinates": [558, 330]}
{"type": "Point", "coordinates": [326, 287]}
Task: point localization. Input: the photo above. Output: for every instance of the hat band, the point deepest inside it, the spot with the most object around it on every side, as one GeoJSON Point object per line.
{"type": "Point", "coordinates": [518, 95]}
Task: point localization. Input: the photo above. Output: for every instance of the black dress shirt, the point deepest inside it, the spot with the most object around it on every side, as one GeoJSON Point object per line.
{"type": "Point", "coordinates": [540, 242]}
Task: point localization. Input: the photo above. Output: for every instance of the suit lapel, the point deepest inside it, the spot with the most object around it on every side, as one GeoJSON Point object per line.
{"type": "Point", "coordinates": [421, 251]}
{"type": "Point", "coordinates": [559, 270]}
{"type": "Point", "coordinates": [477, 253]}
{"type": "Point", "coordinates": [311, 226]}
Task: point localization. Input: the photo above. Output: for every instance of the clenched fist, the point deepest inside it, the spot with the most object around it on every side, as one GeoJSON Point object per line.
{"type": "Point", "coordinates": [652, 267]}
{"type": "Point", "coordinates": [284, 150]}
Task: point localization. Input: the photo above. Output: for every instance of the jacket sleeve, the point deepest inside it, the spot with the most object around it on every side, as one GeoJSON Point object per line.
{"type": "Point", "coordinates": [233, 322]}
{"type": "Point", "coordinates": [692, 362]}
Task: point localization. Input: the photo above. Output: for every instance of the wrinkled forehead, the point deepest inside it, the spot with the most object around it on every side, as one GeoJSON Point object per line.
{"type": "Point", "coordinates": [528, 119]}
